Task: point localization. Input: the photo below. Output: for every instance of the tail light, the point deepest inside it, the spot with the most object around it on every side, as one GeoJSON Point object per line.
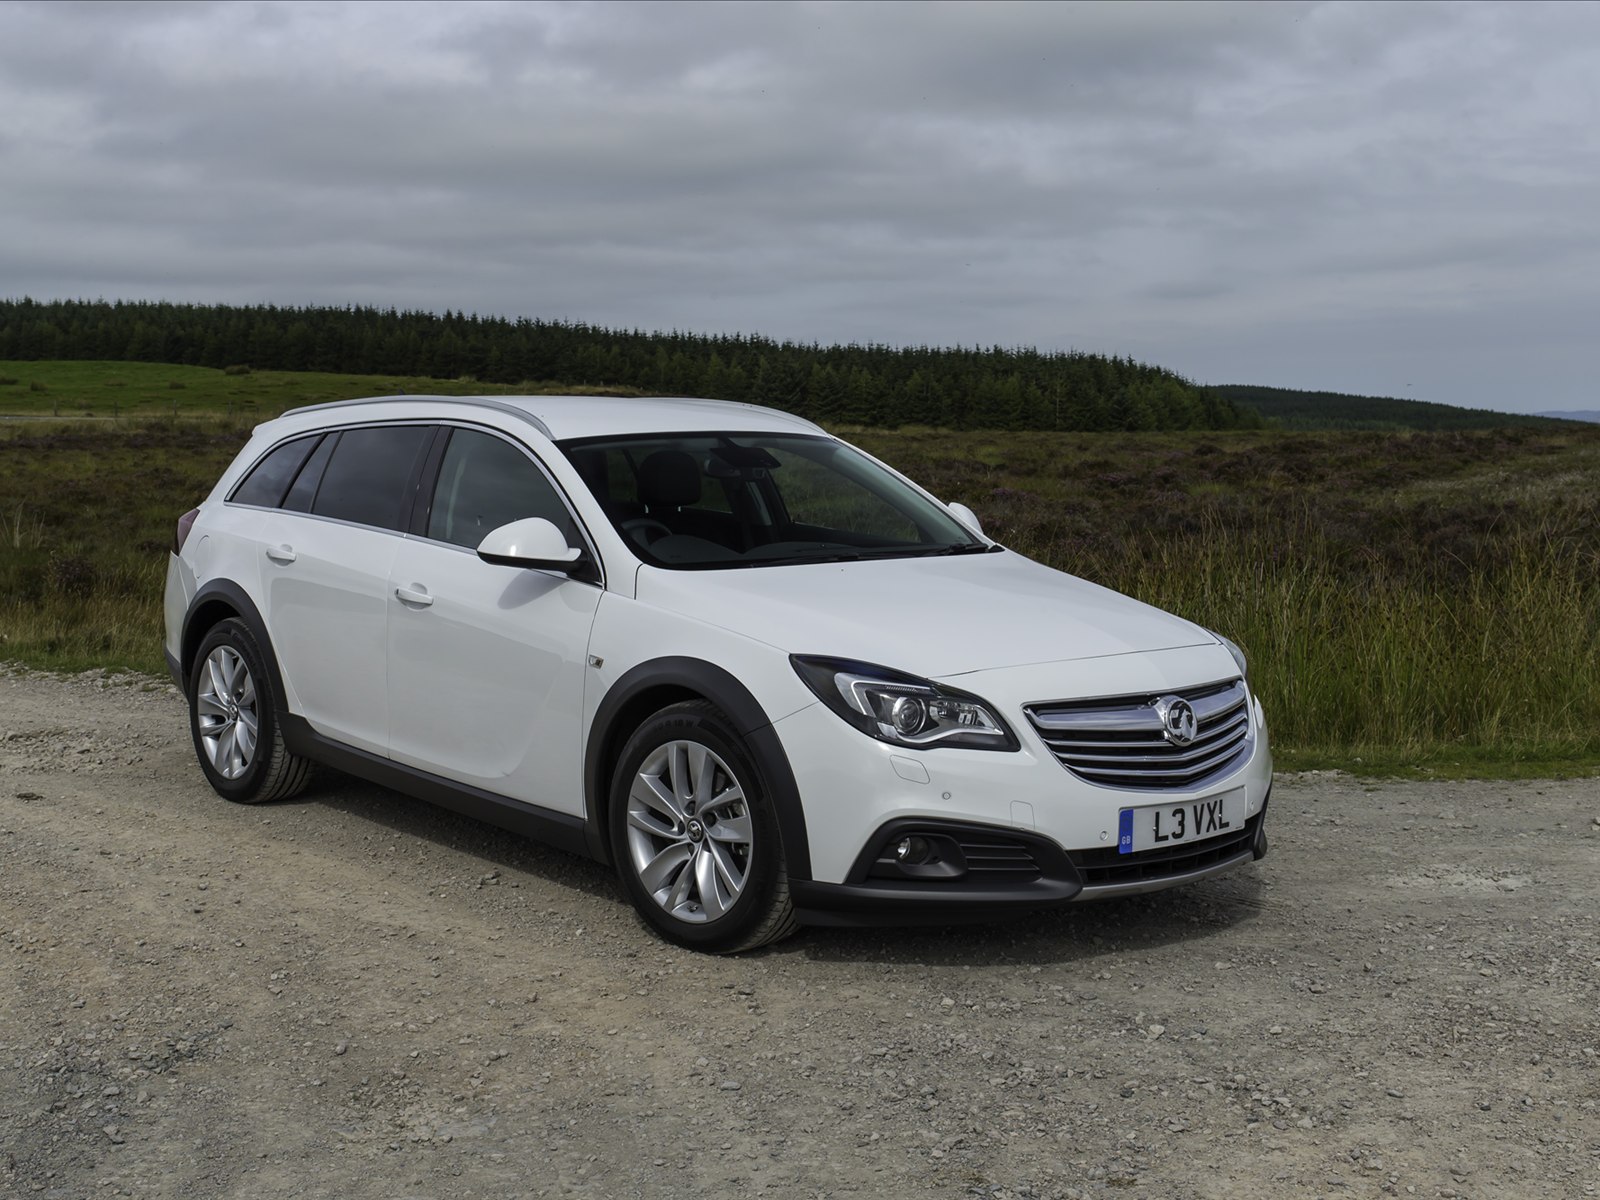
{"type": "Point", "coordinates": [181, 534]}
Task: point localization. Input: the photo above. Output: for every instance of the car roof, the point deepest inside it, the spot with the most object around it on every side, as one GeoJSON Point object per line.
{"type": "Point", "coordinates": [563, 417]}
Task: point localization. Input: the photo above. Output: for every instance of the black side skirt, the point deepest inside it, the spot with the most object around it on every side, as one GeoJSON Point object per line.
{"type": "Point", "coordinates": [561, 830]}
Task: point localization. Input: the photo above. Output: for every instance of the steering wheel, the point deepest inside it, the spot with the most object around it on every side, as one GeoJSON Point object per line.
{"type": "Point", "coordinates": [645, 530]}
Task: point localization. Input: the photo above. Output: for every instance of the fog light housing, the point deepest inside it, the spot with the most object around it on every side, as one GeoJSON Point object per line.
{"type": "Point", "coordinates": [912, 851]}
{"type": "Point", "coordinates": [927, 855]}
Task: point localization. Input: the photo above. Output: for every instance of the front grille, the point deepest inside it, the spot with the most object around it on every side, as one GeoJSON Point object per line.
{"type": "Point", "coordinates": [1107, 867]}
{"type": "Point", "coordinates": [1121, 742]}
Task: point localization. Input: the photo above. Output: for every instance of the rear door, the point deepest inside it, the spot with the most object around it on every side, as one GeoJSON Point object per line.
{"type": "Point", "coordinates": [326, 559]}
{"type": "Point", "coordinates": [486, 663]}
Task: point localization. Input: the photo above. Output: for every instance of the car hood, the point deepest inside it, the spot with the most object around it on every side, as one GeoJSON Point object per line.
{"type": "Point", "coordinates": [935, 617]}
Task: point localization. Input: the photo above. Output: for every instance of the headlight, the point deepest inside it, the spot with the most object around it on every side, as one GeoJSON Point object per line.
{"type": "Point", "coordinates": [1238, 654]}
{"type": "Point", "coordinates": [902, 709]}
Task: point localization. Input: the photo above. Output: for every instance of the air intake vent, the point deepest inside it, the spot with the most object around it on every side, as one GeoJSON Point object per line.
{"type": "Point", "coordinates": [997, 858]}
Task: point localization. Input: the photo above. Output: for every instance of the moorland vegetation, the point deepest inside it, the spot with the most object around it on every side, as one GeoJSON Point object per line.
{"type": "Point", "coordinates": [1291, 408]}
{"type": "Point", "coordinates": [1410, 601]}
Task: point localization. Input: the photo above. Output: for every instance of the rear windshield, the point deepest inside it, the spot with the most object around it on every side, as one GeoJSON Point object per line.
{"type": "Point", "coordinates": [722, 500]}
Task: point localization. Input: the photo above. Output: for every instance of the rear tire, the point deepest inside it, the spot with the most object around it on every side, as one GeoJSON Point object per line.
{"type": "Point", "coordinates": [233, 719]}
{"type": "Point", "coordinates": [694, 835]}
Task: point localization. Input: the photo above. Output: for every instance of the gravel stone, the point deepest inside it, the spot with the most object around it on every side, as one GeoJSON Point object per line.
{"type": "Point", "coordinates": [1366, 1012]}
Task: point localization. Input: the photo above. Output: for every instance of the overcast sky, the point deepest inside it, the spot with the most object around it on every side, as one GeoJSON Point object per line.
{"type": "Point", "coordinates": [1396, 199]}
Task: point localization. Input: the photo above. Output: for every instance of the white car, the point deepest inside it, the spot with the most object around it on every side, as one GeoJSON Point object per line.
{"type": "Point", "coordinates": [768, 678]}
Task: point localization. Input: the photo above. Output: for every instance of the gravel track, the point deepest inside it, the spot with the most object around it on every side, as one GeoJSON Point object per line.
{"type": "Point", "coordinates": [353, 994]}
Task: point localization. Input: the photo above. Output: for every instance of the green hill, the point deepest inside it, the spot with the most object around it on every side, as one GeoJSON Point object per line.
{"type": "Point", "coordinates": [1290, 409]}
{"type": "Point", "coordinates": [995, 387]}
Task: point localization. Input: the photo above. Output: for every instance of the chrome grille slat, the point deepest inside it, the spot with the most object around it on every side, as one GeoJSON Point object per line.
{"type": "Point", "coordinates": [1206, 708]}
{"type": "Point", "coordinates": [1120, 742]}
{"type": "Point", "coordinates": [1185, 771]}
{"type": "Point", "coordinates": [1092, 720]}
{"type": "Point", "coordinates": [1202, 745]}
{"type": "Point", "coordinates": [1194, 760]}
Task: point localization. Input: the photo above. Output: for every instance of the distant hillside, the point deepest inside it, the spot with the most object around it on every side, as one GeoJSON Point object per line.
{"type": "Point", "coordinates": [1290, 409]}
{"type": "Point", "coordinates": [1587, 414]}
{"type": "Point", "coordinates": [954, 387]}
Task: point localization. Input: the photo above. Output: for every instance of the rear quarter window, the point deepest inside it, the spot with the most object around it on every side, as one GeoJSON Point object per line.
{"type": "Point", "coordinates": [270, 478]}
{"type": "Point", "coordinates": [304, 489]}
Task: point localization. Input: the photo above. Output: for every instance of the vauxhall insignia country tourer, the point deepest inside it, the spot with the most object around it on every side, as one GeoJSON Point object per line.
{"type": "Point", "coordinates": [767, 678]}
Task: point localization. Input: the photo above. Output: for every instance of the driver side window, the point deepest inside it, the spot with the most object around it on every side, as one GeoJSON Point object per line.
{"type": "Point", "coordinates": [486, 482]}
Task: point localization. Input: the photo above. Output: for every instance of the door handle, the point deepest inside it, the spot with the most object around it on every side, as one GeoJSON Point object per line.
{"type": "Point", "coordinates": [417, 596]}
{"type": "Point", "coordinates": [281, 554]}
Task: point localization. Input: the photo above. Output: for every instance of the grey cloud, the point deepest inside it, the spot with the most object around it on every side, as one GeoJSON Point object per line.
{"type": "Point", "coordinates": [1244, 192]}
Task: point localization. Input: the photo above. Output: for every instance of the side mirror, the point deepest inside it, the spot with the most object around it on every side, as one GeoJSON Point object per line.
{"type": "Point", "coordinates": [966, 516]}
{"type": "Point", "coordinates": [530, 542]}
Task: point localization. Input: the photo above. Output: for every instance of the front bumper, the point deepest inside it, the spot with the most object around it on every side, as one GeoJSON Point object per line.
{"type": "Point", "coordinates": [1058, 877]}
{"type": "Point", "coordinates": [857, 791]}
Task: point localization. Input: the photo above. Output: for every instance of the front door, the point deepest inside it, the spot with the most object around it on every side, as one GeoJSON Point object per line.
{"type": "Point", "coordinates": [486, 663]}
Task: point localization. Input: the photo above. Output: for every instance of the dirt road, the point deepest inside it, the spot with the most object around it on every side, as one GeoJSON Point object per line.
{"type": "Point", "coordinates": [355, 995]}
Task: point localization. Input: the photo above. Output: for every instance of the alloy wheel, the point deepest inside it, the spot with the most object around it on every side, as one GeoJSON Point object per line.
{"type": "Point", "coordinates": [225, 703]}
{"type": "Point", "coordinates": [690, 835]}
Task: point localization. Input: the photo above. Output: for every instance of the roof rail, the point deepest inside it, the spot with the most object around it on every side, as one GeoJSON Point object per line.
{"type": "Point", "coordinates": [498, 405]}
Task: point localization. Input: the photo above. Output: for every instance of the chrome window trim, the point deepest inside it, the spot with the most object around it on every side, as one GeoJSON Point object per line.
{"type": "Point", "coordinates": [590, 546]}
{"type": "Point", "coordinates": [319, 431]}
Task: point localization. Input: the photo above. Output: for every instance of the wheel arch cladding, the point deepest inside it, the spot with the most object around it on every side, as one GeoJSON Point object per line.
{"type": "Point", "coordinates": [219, 601]}
{"type": "Point", "coordinates": [658, 683]}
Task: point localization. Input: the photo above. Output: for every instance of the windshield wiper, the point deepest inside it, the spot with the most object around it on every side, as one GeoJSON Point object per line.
{"type": "Point", "coordinates": [967, 548]}
{"type": "Point", "coordinates": [948, 549]}
{"type": "Point", "coordinates": [822, 554]}
{"type": "Point", "coordinates": [836, 553]}
{"type": "Point", "coordinates": [923, 550]}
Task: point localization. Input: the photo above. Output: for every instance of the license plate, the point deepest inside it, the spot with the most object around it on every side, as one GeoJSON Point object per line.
{"type": "Point", "coordinates": [1179, 824]}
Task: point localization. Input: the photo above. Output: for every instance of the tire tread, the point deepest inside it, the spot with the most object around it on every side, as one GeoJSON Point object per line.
{"type": "Point", "coordinates": [779, 920]}
{"type": "Point", "coordinates": [283, 774]}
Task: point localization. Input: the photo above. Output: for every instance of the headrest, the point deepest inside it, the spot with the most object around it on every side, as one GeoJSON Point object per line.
{"type": "Point", "coordinates": [669, 479]}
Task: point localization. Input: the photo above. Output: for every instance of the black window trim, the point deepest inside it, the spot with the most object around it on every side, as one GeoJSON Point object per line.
{"type": "Point", "coordinates": [417, 467]}
{"type": "Point", "coordinates": [424, 478]}
{"type": "Point", "coordinates": [330, 440]}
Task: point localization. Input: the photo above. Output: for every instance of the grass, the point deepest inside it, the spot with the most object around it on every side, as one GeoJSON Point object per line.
{"type": "Point", "coordinates": [1421, 604]}
{"type": "Point", "coordinates": [1416, 604]}
{"type": "Point", "coordinates": [89, 510]}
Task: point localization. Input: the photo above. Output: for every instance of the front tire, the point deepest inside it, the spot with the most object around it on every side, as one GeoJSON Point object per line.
{"type": "Point", "coordinates": [233, 719]}
{"type": "Point", "coordinates": [694, 836]}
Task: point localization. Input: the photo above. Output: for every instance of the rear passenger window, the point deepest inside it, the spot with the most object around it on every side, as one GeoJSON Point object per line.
{"type": "Point", "coordinates": [484, 483]}
{"type": "Point", "coordinates": [266, 484]}
{"type": "Point", "coordinates": [368, 476]}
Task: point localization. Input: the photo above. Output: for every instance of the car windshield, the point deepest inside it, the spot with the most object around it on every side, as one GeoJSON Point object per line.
{"type": "Point", "coordinates": [705, 501]}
